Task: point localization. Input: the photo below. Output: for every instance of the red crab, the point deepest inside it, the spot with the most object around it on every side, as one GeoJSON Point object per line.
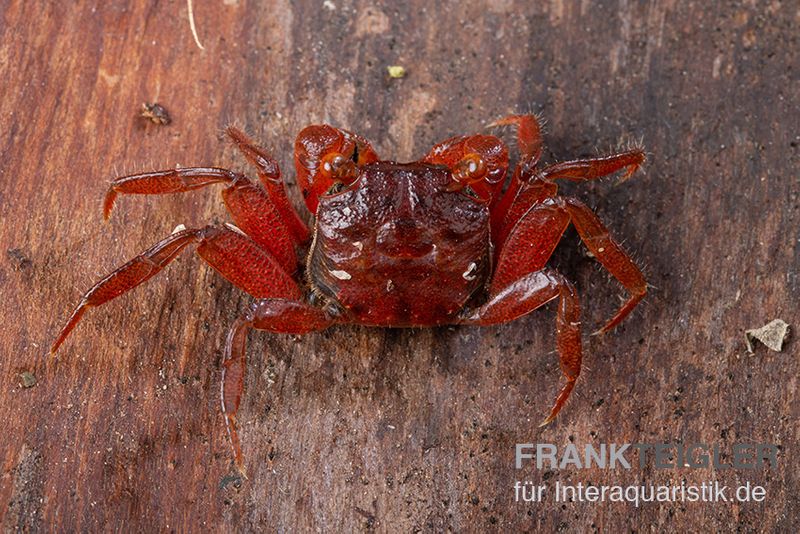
{"type": "Point", "coordinates": [428, 243]}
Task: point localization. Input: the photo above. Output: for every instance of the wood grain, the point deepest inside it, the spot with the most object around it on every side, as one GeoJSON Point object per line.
{"type": "Point", "coordinates": [392, 430]}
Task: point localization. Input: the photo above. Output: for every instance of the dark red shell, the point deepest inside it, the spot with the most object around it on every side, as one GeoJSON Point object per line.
{"type": "Point", "coordinates": [398, 248]}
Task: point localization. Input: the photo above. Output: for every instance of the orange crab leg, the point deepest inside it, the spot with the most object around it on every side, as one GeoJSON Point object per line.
{"type": "Point", "coordinates": [275, 315]}
{"type": "Point", "coordinates": [543, 225]}
{"type": "Point", "coordinates": [592, 168]}
{"type": "Point", "coordinates": [610, 254]}
{"type": "Point", "coordinates": [532, 189]}
{"type": "Point", "coordinates": [528, 293]}
{"type": "Point", "coordinates": [531, 243]}
{"type": "Point", "coordinates": [233, 255]}
{"type": "Point", "coordinates": [266, 216]}
{"type": "Point", "coordinates": [521, 283]}
{"type": "Point", "coordinates": [250, 207]}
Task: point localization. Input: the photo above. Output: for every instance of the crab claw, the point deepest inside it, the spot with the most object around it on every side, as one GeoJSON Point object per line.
{"type": "Point", "coordinates": [477, 161]}
{"type": "Point", "coordinates": [529, 135]}
{"type": "Point", "coordinates": [317, 147]}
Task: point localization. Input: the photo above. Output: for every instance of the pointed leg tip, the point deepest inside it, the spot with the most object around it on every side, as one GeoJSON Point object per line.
{"type": "Point", "coordinates": [73, 320]}
{"type": "Point", "coordinates": [108, 204]}
{"type": "Point", "coordinates": [552, 417]}
{"type": "Point", "coordinates": [608, 327]}
{"type": "Point", "coordinates": [628, 174]}
{"type": "Point", "coordinates": [57, 343]}
{"type": "Point", "coordinates": [242, 470]}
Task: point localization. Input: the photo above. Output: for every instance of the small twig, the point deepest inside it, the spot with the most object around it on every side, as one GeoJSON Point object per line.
{"type": "Point", "coordinates": [192, 26]}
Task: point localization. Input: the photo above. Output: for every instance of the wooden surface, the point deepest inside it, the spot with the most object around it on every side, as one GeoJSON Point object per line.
{"type": "Point", "coordinates": [360, 428]}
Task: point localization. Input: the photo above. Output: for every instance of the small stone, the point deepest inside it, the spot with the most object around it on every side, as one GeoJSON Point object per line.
{"type": "Point", "coordinates": [772, 335]}
{"type": "Point", "coordinates": [28, 380]}
{"type": "Point", "coordinates": [396, 71]}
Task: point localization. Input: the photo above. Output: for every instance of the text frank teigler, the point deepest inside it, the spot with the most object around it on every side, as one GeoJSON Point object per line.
{"type": "Point", "coordinates": [628, 456]}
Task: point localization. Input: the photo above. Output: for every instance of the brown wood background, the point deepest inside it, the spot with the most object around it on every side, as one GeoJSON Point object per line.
{"type": "Point", "coordinates": [361, 428]}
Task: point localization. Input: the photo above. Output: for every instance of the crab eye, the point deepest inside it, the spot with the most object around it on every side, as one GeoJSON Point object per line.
{"type": "Point", "coordinates": [336, 166]}
{"type": "Point", "coordinates": [470, 169]}
{"type": "Point", "coordinates": [340, 170]}
{"type": "Point", "coordinates": [477, 165]}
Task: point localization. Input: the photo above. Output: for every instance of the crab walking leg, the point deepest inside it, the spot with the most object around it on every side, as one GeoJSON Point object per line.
{"type": "Point", "coordinates": [529, 187]}
{"type": "Point", "coordinates": [163, 182]}
{"type": "Point", "coordinates": [530, 243]}
{"type": "Point", "coordinates": [521, 284]}
{"type": "Point", "coordinates": [610, 254]}
{"type": "Point", "coordinates": [592, 168]}
{"type": "Point", "coordinates": [524, 296]}
{"type": "Point", "coordinates": [250, 207]}
{"type": "Point", "coordinates": [275, 315]}
{"type": "Point", "coordinates": [233, 255]}
{"type": "Point", "coordinates": [532, 240]}
{"type": "Point", "coordinates": [269, 173]}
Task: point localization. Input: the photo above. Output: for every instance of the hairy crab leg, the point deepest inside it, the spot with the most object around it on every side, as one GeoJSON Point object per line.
{"type": "Point", "coordinates": [250, 207]}
{"type": "Point", "coordinates": [592, 168]}
{"type": "Point", "coordinates": [521, 283]}
{"type": "Point", "coordinates": [275, 315]}
{"type": "Point", "coordinates": [523, 257]}
{"type": "Point", "coordinates": [530, 186]}
{"type": "Point", "coordinates": [536, 187]}
{"type": "Point", "coordinates": [543, 225]}
{"type": "Point", "coordinates": [531, 243]}
{"type": "Point", "coordinates": [233, 255]}
{"type": "Point", "coordinates": [610, 254]}
{"type": "Point", "coordinates": [524, 296]}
